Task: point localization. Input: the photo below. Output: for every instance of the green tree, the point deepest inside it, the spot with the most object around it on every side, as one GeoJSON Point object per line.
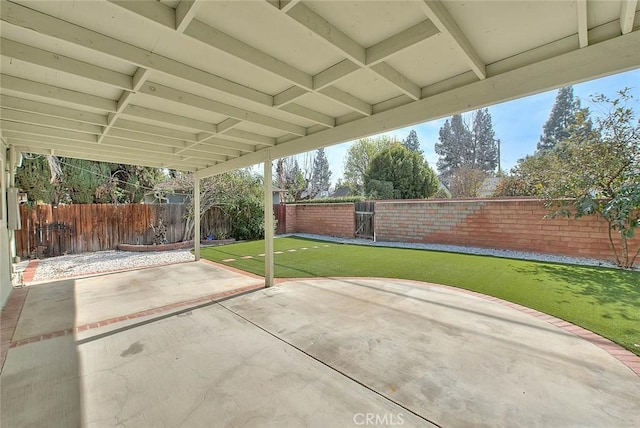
{"type": "Point", "coordinates": [461, 146]}
{"type": "Point", "coordinates": [407, 172]}
{"type": "Point", "coordinates": [485, 144]}
{"type": "Point", "coordinates": [289, 176]}
{"type": "Point", "coordinates": [412, 143]}
{"type": "Point", "coordinates": [36, 179]}
{"type": "Point", "coordinates": [321, 174]}
{"type": "Point", "coordinates": [562, 119]}
{"type": "Point", "coordinates": [592, 171]}
{"type": "Point", "coordinates": [359, 156]}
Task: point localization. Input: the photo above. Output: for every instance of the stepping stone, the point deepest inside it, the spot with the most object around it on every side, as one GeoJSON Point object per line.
{"type": "Point", "coordinates": [278, 252]}
{"type": "Point", "coordinates": [315, 246]}
{"type": "Point", "coordinates": [260, 255]}
{"type": "Point", "coordinates": [291, 251]}
{"type": "Point", "coordinates": [228, 260]}
{"type": "Point", "coordinates": [304, 248]}
{"type": "Point", "coordinates": [246, 257]}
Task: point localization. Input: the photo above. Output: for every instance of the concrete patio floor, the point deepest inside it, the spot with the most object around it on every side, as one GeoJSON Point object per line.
{"type": "Point", "coordinates": [322, 352]}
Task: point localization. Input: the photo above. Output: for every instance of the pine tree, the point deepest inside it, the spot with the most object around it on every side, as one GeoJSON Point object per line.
{"type": "Point", "coordinates": [453, 147]}
{"type": "Point", "coordinates": [561, 119]}
{"type": "Point", "coordinates": [485, 142]}
{"type": "Point", "coordinates": [411, 142]}
{"type": "Point", "coordinates": [321, 174]}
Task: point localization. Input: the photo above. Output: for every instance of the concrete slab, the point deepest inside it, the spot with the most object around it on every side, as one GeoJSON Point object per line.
{"type": "Point", "coordinates": [315, 353]}
{"type": "Point", "coordinates": [455, 359]}
{"type": "Point", "coordinates": [60, 305]}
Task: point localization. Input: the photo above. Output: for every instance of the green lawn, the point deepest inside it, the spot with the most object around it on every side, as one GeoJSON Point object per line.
{"type": "Point", "coordinates": [606, 301]}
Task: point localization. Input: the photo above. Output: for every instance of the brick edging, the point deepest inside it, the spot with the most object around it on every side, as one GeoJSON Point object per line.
{"type": "Point", "coordinates": [9, 320]}
{"type": "Point", "coordinates": [626, 357]}
{"type": "Point", "coordinates": [211, 298]}
{"type": "Point", "coordinates": [30, 271]}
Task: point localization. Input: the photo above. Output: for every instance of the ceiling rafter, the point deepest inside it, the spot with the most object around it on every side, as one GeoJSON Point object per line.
{"type": "Point", "coordinates": [52, 110]}
{"type": "Point", "coordinates": [28, 18]}
{"type": "Point", "coordinates": [50, 92]}
{"type": "Point", "coordinates": [50, 121]}
{"type": "Point", "coordinates": [583, 23]}
{"type": "Point", "coordinates": [25, 53]}
{"type": "Point", "coordinates": [324, 30]}
{"type": "Point", "coordinates": [627, 15]}
{"type": "Point", "coordinates": [440, 16]}
{"type": "Point", "coordinates": [170, 94]}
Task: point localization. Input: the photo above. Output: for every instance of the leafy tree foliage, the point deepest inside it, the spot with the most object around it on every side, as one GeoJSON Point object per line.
{"type": "Point", "coordinates": [592, 171]}
{"type": "Point", "coordinates": [321, 174]}
{"type": "Point", "coordinates": [358, 159]}
{"type": "Point", "coordinates": [466, 182]}
{"type": "Point", "coordinates": [289, 176]}
{"type": "Point", "coordinates": [474, 148]}
{"type": "Point", "coordinates": [51, 179]}
{"type": "Point", "coordinates": [562, 119]}
{"type": "Point", "coordinates": [400, 173]}
{"type": "Point", "coordinates": [412, 143]}
{"type": "Point", "coordinates": [238, 193]}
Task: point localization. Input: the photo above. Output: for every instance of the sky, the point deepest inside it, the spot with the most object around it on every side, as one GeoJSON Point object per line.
{"type": "Point", "coordinates": [518, 124]}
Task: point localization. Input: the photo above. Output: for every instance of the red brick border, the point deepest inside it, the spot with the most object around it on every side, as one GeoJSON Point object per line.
{"type": "Point", "coordinates": [30, 271]}
{"type": "Point", "coordinates": [626, 357]}
{"type": "Point", "coordinates": [153, 311]}
{"type": "Point", "coordinates": [9, 319]}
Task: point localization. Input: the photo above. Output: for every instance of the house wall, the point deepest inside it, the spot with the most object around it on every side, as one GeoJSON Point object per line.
{"type": "Point", "coordinates": [519, 224]}
{"type": "Point", "coordinates": [322, 219]}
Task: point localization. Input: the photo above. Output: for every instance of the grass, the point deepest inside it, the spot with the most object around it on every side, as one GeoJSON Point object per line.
{"type": "Point", "coordinates": [603, 300]}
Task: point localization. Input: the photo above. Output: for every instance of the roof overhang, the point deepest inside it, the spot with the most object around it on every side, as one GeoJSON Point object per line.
{"type": "Point", "coordinates": [211, 86]}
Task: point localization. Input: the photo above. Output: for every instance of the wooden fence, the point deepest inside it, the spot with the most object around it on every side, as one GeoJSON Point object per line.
{"type": "Point", "coordinates": [68, 229]}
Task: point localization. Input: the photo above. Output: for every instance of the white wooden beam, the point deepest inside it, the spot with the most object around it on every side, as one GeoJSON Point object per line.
{"type": "Point", "coordinates": [27, 128]}
{"type": "Point", "coordinates": [400, 81]}
{"type": "Point", "coordinates": [286, 5]}
{"type": "Point", "coordinates": [404, 39]}
{"type": "Point", "coordinates": [288, 95]}
{"type": "Point", "coordinates": [159, 131]}
{"type": "Point", "coordinates": [41, 90]}
{"type": "Point", "coordinates": [174, 95]}
{"type": "Point", "coordinates": [347, 47]}
{"type": "Point", "coordinates": [213, 140]}
{"type": "Point", "coordinates": [627, 15]}
{"type": "Point", "coordinates": [268, 222]}
{"type": "Point", "coordinates": [245, 136]}
{"type": "Point", "coordinates": [440, 16]}
{"type": "Point", "coordinates": [51, 110]}
{"type": "Point", "coordinates": [347, 100]}
{"type": "Point", "coordinates": [45, 24]}
{"type": "Point", "coordinates": [157, 116]}
{"type": "Point", "coordinates": [227, 124]}
{"type": "Point", "coordinates": [53, 61]}
{"type": "Point", "coordinates": [608, 57]}
{"type": "Point", "coordinates": [248, 54]}
{"type": "Point", "coordinates": [53, 122]}
{"type": "Point", "coordinates": [312, 115]}
{"type": "Point", "coordinates": [326, 31]}
{"type": "Point", "coordinates": [334, 73]}
{"type": "Point", "coordinates": [583, 23]}
{"type": "Point", "coordinates": [184, 14]}
{"type": "Point", "coordinates": [153, 10]}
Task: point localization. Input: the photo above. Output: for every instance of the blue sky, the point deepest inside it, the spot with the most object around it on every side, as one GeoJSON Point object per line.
{"type": "Point", "coordinates": [518, 124]}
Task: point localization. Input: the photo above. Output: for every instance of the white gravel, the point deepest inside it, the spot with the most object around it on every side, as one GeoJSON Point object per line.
{"type": "Point", "coordinates": [105, 261]}
{"type": "Point", "coordinates": [467, 250]}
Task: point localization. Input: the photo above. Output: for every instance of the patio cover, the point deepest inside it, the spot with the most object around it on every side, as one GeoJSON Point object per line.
{"type": "Point", "coordinates": [211, 86]}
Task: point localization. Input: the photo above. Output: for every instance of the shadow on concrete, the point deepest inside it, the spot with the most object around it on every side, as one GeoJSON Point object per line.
{"type": "Point", "coordinates": [40, 381]}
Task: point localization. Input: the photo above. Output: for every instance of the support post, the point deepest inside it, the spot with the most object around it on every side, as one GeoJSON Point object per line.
{"type": "Point", "coordinates": [268, 222]}
{"type": "Point", "coordinates": [196, 216]}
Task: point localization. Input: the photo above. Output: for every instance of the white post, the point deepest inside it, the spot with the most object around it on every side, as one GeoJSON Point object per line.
{"type": "Point", "coordinates": [13, 156]}
{"type": "Point", "coordinates": [196, 216]}
{"type": "Point", "coordinates": [268, 222]}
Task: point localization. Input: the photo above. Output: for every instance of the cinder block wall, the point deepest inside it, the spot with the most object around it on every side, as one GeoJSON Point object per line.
{"type": "Point", "coordinates": [514, 224]}
{"type": "Point", "coordinates": [322, 219]}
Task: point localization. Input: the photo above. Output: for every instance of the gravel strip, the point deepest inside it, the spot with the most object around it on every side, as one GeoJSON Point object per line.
{"type": "Point", "coordinates": [105, 261]}
{"type": "Point", "coordinates": [467, 250]}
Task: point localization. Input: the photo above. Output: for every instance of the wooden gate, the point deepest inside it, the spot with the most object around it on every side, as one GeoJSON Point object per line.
{"type": "Point", "coordinates": [280, 213]}
{"type": "Point", "coordinates": [365, 222]}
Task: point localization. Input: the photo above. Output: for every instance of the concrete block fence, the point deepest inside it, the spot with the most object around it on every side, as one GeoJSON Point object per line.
{"type": "Point", "coordinates": [510, 224]}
